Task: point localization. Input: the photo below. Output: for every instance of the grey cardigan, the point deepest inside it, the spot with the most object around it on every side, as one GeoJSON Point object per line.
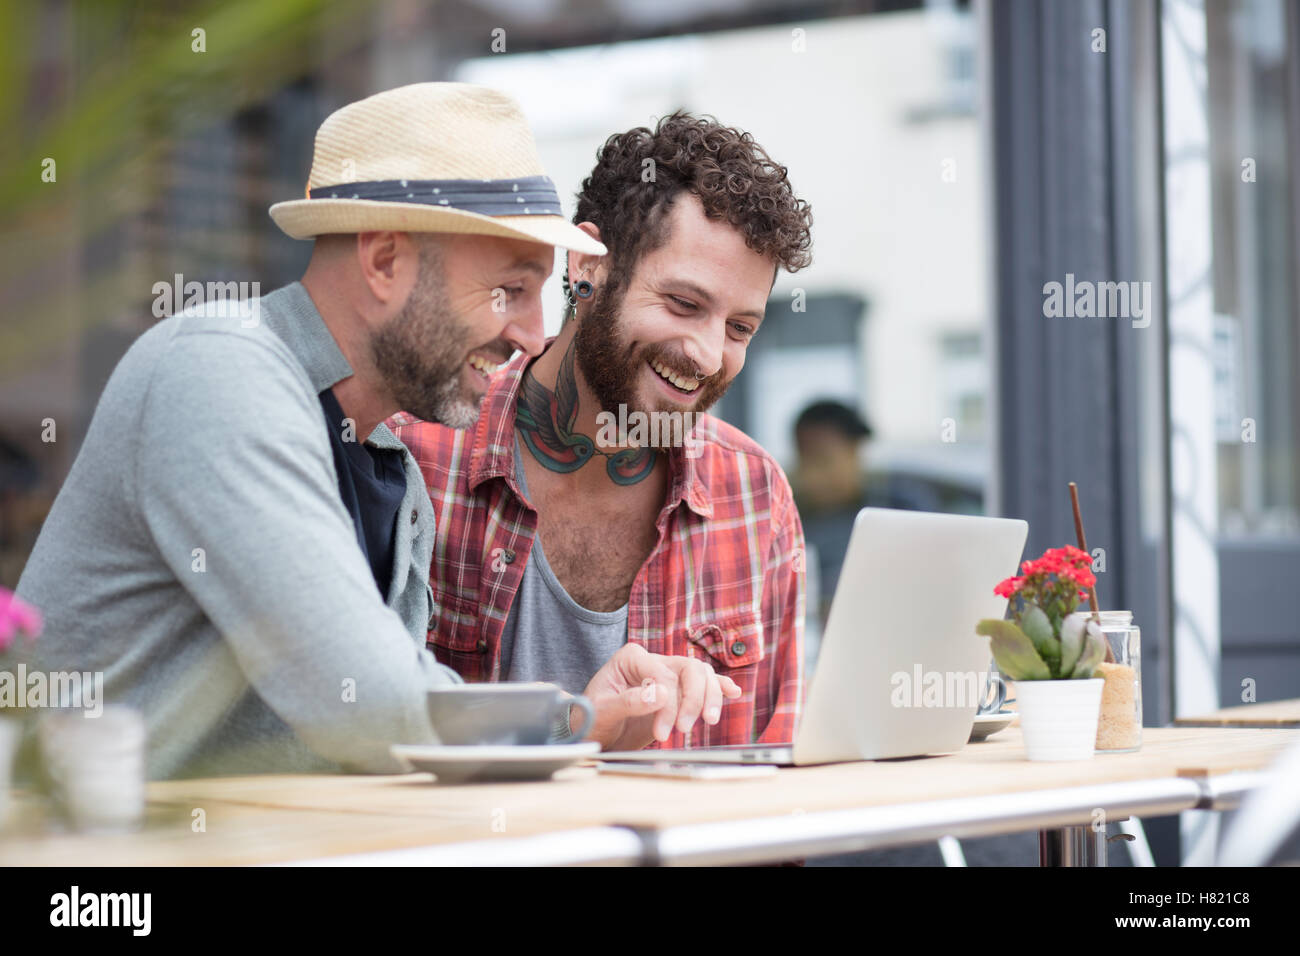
{"type": "Point", "coordinates": [199, 556]}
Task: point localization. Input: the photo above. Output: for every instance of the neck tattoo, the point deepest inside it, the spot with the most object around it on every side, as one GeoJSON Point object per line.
{"type": "Point", "coordinates": [546, 420]}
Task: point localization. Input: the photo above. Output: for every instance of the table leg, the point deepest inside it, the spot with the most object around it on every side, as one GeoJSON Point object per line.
{"type": "Point", "coordinates": [1072, 846]}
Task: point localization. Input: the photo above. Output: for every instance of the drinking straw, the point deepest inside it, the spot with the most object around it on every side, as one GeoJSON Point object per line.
{"type": "Point", "coordinates": [1083, 546]}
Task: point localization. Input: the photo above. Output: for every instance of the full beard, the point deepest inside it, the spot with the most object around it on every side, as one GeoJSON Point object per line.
{"type": "Point", "coordinates": [421, 352]}
{"type": "Point", "coordinates": [612, 366]}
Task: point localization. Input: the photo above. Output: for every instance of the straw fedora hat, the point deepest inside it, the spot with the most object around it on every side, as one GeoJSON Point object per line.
{"type": "Point", "coordinates": [431, 157]}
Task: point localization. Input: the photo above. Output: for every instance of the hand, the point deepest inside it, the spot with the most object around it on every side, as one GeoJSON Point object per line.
{"type": "Point", "coordinates": [640, 697]}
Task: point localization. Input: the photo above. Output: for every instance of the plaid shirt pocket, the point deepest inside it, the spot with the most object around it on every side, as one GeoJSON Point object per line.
{"type": "Point", "coordinates": [729, 643]}
{"type": "Point", "coordinates": [733, 646]}
{"type": "Point", "coordinates": [455, 637]}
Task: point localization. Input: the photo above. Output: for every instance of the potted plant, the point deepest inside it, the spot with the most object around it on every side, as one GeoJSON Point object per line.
{"type": "Point", "coordinates": [16, 617]}
{"type": "Point", "coordinates": [1051, 655]}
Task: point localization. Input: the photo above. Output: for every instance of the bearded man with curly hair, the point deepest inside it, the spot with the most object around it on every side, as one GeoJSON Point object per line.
{"type": "Point", "coordinates": [597, 525]}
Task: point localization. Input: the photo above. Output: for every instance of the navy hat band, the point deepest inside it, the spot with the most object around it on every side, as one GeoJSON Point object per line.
{"type": "Point", "coordinates": [526, 196]}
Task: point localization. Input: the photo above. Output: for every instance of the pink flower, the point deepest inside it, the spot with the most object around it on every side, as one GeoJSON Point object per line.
{"type": "Point", "coordinates": [17, 617]}
{"type": "Point", "coordinates": [1009, 587]}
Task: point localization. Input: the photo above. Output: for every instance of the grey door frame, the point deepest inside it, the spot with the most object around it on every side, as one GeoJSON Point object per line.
{"type": "Point", "coordinates": [1076, 167]}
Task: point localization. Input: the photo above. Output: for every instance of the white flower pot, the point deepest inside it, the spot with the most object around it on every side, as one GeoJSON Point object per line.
{"type": "Point", "coordinates": [11, 734]}
{"type": "Point", "coordinates": [1059, 717]}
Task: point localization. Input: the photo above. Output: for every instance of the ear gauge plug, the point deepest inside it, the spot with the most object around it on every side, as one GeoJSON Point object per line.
{"type": "Point", "coordinates": [584, 289]}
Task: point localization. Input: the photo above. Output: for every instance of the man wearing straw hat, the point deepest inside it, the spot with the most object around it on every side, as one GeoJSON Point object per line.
{"type": "Point", "coordinates": [242, 547]}
{"type": "Point", "coordinates": [595, 516]}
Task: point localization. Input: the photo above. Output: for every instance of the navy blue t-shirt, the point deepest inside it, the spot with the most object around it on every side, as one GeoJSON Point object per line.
{"type": "Point", "coordinates": [372, 484]}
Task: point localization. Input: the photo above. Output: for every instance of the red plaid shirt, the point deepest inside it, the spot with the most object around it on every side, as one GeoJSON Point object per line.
{"type": "Point", "coordinates": [724, 583]}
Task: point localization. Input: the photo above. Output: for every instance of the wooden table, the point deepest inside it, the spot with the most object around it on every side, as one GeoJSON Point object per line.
{"type": "Point", "coordinates": [1273, 713]}
{"type": "Point", "coordinates": [582, 816]}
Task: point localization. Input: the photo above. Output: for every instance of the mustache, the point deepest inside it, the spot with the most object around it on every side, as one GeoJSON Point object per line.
{"type": "Point", "coordinates": [678, 364]}
{"type": "Point", "coordinates": [497, 351]}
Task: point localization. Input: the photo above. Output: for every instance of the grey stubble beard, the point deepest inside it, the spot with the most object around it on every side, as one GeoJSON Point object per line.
{"type": "Point", "coordinates": [420, 353]}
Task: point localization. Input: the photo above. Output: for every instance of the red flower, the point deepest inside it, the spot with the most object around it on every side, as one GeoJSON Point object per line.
{"type": "Point", "coordinates": [1059, 570]}
{"type": "Point", "coordinates": [1080, 576]}
{"type": "Point", "coordinates": [1009, 587]}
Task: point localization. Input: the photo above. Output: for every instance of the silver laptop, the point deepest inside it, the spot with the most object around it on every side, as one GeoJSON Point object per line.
{"type": "Point", "coordinates": [901, 670]}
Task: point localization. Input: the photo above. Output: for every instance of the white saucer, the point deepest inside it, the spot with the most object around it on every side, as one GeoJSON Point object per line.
{"type": "Point", "coordinates": [986, 725]}
{"type": "Point", "coordinates": [481, 764]}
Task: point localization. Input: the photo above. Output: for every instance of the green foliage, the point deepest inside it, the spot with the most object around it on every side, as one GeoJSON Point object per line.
{"type": "Point", "coordinates": [1013, 651]}
{"type": "Point", "coordinates": [1040, 630]}
{"type": "Point", "coordinates": [1072, 635]}
{"type": "Point", "coordinates": [1094, 649]}
{"type": "Point", "coordinates": [114, 92]}
{"type": "Point", "coordinates": [1035, 649]}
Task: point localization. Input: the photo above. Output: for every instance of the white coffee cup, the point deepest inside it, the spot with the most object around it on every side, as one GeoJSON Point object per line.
{"type": "Point", "coordinates": [96, 766]}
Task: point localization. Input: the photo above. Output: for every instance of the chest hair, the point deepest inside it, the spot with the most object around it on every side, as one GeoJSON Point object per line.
{"type": "Point", "coordinates": [596, 549]}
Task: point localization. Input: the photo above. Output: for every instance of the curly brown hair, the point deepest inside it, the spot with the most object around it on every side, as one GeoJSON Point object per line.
{"type": "Point", "coordinates": [732, 175]}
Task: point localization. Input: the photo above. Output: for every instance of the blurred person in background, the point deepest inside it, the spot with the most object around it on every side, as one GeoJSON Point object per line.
{"type": "Point", "coordinates": [570, 550]}
{"type": "Point", "coordinates": [831, 485]}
